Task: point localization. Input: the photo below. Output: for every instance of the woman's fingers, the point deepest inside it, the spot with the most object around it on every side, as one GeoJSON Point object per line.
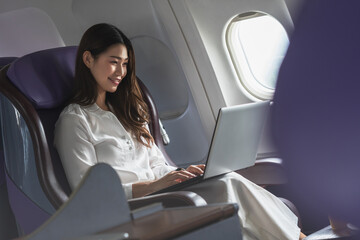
{"type": "Point", "coordinates": [174, 177]}
{"type": "Point", "coordinates": [202, 166]}
{"type": "Point", "coordinates": [196, 169]}
{"type": "Point", "coordinates": [183, 174]}
{"type": "Point", "coordinates": [180, 177]}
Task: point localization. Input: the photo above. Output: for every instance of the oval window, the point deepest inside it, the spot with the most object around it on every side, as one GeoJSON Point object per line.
{"type": "Point", "coordinates": [257, 43]}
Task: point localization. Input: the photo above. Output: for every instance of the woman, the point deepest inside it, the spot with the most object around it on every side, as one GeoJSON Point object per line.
{"type": "Point", "coordinates": [107, 122]}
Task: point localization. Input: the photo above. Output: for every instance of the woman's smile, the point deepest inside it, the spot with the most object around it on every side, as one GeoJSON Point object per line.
{"type": "Point", "coordinates": [115, 81]}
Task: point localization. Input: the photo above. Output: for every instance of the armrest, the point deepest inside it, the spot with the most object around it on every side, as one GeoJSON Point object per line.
{"type": "Point", "coordinates": [268, 171]}
{"type": "Point", "coordinates": [170, 199]}
{"type": "Point", "coordinates": [329, 233]}
{"type": "Point", "coordinates": [215, 221]}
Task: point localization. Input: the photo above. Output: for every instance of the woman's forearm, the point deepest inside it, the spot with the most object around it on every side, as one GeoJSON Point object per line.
{"type": "Point", "coordinates": [141, 189]}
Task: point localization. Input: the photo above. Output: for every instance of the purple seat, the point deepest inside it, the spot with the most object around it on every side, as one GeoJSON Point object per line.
{"type": "Point", "coordinates": [34, 89]}
{"type": "Point", "coordinates": [316, 110]}
{"type": "Point", "coordinates": [3, 62]}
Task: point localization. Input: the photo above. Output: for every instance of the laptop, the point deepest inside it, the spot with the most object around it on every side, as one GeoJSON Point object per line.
{"type": "Point", "coordinates": [234, 143]}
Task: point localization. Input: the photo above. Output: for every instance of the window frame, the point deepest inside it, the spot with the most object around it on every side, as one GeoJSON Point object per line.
{"type": "Point", "coordinates": [240, 62]}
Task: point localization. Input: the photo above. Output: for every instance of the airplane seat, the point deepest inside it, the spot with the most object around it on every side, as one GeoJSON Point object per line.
{"type": "Point", "coordinates": [316, 116]}
{"type": "Point", "coordinates": [97, 209]}
{"type": "Point", "coordinates": [34, 89]}
{"type": "Point", "coordinates": [7, 221]}
{"type": "Point", "coordinates": [3, 62]}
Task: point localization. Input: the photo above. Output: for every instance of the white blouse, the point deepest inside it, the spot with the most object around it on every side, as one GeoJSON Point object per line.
{"type": "Point", "coordinates": [88, 135]}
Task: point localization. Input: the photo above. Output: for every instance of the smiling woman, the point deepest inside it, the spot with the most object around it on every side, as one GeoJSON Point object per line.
{"type": "Point", "coordinates": [105, 75]}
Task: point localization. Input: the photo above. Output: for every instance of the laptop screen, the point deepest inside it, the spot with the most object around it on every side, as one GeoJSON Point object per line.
{"type": "Point", "coordinates": [236, 138]}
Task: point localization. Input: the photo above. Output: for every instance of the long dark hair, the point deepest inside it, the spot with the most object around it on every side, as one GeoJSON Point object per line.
{"type": "Point", "coordinates": [127, 101]}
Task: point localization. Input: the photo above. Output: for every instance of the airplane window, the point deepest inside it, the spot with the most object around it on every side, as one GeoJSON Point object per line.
{"type": "Point", "coordinates": [257, 43]}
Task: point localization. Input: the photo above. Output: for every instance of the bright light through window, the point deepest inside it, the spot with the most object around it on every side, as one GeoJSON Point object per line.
{"type": "Point", "coordinates": [257, 43]}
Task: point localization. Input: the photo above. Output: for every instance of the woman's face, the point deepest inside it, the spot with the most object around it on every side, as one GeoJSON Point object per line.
{"type": "Point", "coordinates": [109, 68]}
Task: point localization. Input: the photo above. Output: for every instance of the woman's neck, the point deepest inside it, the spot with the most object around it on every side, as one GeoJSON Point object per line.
{"type": "Point", "coordinates": [100, 101]}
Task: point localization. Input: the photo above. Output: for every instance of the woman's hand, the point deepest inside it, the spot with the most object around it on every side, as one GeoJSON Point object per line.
{"type": "Point", "coordinates": [172, 178]}
{"type": "Point", "coordinates": [143, 188]}
{"type": "Point", "coordinates": [196, 169]}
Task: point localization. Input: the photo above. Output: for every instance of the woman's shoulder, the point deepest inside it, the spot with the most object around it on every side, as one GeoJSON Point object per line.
{"type": "Point", "coordinates": [78, 111]}
{"type": "Point", "coordinates": [70, 118]}
{"type": "Point", "coordinates": [73, 109]}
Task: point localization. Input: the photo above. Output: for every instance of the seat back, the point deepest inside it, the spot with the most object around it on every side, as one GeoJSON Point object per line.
{"type": "Point", "coordinates": [3, 61]}
{"type": "Point", "coordinates": [316, 110]}
{"type": "Point", "coordinates": [35, 183]}
{"type": "Point", "coordinates": [34, 90]}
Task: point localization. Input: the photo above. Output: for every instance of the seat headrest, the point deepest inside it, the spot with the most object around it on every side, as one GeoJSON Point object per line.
{"type": "Point", "coordinates": [45, 77]}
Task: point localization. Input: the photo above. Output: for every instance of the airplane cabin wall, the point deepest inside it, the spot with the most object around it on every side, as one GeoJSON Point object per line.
{"type": "Point", "coordinates": [203, 24]}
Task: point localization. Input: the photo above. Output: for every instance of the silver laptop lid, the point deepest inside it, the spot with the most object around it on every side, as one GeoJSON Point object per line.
{"type": "Point", "coordinates": [236, 138]}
